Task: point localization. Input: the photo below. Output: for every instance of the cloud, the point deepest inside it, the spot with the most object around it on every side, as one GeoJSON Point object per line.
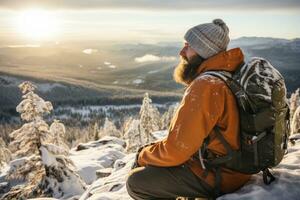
{"type": "Point", "coordinates": [151, 5]}
{"type": "Point", "coordinates": [90, 51]}
{"type": "Point", "coordinates": [153, 58]}
{"type": "Point", "coordinates": [112, 66]}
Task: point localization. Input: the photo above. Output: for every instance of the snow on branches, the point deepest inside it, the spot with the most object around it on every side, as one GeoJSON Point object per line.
{"type": "Point", "coordinates": [149, 120]}
{"type": "Point", "coordinates": [5, 154]}
{"type": "Point", "coordinates": [32, 107]}
{"type": "Point", "coordinates": [109, 129]}
{"type": "Point", "coordinates": [133, 136]}
{"type": "Point", "coordinates": [294, 102]}
{"type": "Point", "coordinates": [295, 123]}
{"type": "Point", "coordinates": [41, 166]}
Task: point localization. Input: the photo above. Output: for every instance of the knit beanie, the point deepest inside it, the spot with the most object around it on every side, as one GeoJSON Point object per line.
{"type": "Point", "coordinates": [208, 39]}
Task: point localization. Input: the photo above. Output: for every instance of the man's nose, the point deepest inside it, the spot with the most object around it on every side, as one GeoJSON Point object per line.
{"type": "Point", "coordinates": [182, 52]}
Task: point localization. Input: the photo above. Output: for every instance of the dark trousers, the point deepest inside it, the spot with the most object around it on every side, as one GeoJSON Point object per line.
{"type": "Point", "coordinates": [151, 182]}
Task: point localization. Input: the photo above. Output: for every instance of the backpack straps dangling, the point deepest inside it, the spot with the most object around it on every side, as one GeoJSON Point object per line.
{"type": "Point", "coordinates": [222, 159]}
{"type": "Point", "coordinates": [268, 176]}
{"type": "Point", "coordinates": [214, 165]}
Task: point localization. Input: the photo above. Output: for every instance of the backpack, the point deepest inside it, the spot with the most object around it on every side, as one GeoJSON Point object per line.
{"type": "Point", "coordinates": [260, 94]}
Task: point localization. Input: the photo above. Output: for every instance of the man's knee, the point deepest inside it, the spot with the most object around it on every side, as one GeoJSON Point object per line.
{"type": "Point", "coordinates": [134, 181]}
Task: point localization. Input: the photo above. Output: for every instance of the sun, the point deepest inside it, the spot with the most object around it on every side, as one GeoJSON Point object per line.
{"type": "Point", "coordinates": [37, 24]}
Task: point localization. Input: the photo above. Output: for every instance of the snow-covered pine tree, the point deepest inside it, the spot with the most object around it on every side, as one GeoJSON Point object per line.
{"type": "Point", "coordinates": [109, 129]}
{"type": "Point", "coordinates": [41, 167]}
{"type": "Point", "coordinates": [294, 103]}
{"type": "Point", "coordinates": [5, 154]}
{"type": "Point", "coordinates": [149, 120]}
{"type": "Point", "coordinates": [167, 117]}
{"type": "Point", "coordinates": [132, 136]}
{"type": "Point", "coordinates": [58, 131]}
{"type": "Point", "coordinates": [295, 123]}
{"type": "Point", "coordinates": [126, 124]}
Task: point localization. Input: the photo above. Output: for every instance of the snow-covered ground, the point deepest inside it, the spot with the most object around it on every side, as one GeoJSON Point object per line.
{"type": "Point", "coordinates": [286, 185]}
{"type": "Point", "coordinates": [106, 158]}
{"type": "Point", "coordinates": [92, 156]}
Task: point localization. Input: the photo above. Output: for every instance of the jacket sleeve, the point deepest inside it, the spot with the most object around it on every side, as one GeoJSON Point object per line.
{"type": "Point", "coordinates": [201, 107]}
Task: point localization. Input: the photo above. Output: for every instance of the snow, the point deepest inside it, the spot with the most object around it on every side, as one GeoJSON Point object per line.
{"type": "Point", "coordinates": [109, 64]}
{"type": "Point", "coordinates": [285, 187]}
{"type": "Point", "coordinates": [86, 110]}
{"type": "Point", "coordinates": [295, 136]}
{"type": "Point", "coordinates": [160, 134]}
{"type": "Point", "coordinates": [108, 154]}
{"type": "Point", "coordinates": [137, 81]}
{"type": "Point", "coordinates": [97, 155]}
{"type": "Point", "coordinates": [47, 158]}
{"type": "Point", "coordinates": [153, 71]}
{"type": "Point", "coordinates": [18, 162]}
{"type": "Point", "coordinates": [113, 186]}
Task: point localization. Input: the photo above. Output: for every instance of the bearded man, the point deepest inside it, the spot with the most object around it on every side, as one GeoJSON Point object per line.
{"type": "Point", "coordinates": [172, 167]}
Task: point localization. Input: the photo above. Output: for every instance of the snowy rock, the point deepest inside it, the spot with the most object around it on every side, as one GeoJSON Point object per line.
{"type": "Point", "coordinates": [286, 185]}
{"type": "Point", "coordinates": [293, 138]}
{"type": "Point", "coordinates": [4, 187]}
{"type": "Point", "coordinates": [119, 164]}
{"type": "Point", "coordinates": [103, 172]}
{"type": "Point", "coordinates": [97, 155]}
{"type": "Point", "coordinates": [113, 186]}
{"type": "Point", "coordinates": [103, 141]}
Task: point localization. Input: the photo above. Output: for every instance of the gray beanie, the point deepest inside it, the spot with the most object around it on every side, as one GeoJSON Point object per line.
{"type": "Point", "coordinates": [208, 39]}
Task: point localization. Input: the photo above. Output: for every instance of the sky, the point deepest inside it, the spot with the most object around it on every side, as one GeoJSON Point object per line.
{"type": "Point", "coordinates": [148, 21]}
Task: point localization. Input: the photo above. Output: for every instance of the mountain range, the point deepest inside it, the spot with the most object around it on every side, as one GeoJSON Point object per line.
{"type": "Point", "coordinates": [98, 72]}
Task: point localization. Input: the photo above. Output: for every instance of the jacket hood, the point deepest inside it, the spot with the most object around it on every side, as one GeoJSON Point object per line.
{"type": "Point", "coordinates": [226, 61]}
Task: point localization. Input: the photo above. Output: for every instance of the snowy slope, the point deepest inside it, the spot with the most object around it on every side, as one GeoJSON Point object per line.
{"type": "Point", "coordinates": [108, 155]}
{"type": "Point", "coordinates": [95, 155]}
{"type": "Point", "coordinates": [285, 187]}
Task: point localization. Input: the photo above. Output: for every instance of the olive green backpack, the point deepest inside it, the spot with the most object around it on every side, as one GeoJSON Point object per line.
{"type": "Point", "coordinates": [264, 127]}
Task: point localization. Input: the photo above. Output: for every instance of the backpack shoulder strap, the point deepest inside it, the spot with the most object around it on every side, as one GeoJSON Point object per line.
{"type": "Point", "coordinates": [237, 89]}
{"type": "Point", "coordinates": [227, 78]}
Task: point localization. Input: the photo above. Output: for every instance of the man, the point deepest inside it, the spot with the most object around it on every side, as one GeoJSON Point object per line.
{"type": "Point", "coordinates": [171, 168]}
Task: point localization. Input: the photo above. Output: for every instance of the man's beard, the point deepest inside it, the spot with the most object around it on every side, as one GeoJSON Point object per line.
{"type": "Point", "coordinates": [186, 71]}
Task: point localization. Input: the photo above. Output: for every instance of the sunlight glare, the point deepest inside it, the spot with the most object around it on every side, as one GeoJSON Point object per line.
{"type": "Point", "coordinates": [37, 24]}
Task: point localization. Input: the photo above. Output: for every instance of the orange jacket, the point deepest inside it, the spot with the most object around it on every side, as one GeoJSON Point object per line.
{"type": "Point", "coordinates": [207, 103]}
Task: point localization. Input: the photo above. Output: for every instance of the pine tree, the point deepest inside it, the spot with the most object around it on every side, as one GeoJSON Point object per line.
{"type": "Point", "coordinates": [294, 103]}
{"type": "Point", "coordinates": [5, 154]}
{"type": "Point", "coordinates": [149, 120]}
{"type": "Point", "coordinates": [295, 123]}
{"type": "Point", "coordinates": [132, 136]}
{"type": "Point", "coordinates": [109, 129]}
{"type": "Point", "coordinates": [167, 117]}
{"type": "Point", "coordinates": [41, 164]}
{"type": "Point", "coordinates": [58, 131]}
